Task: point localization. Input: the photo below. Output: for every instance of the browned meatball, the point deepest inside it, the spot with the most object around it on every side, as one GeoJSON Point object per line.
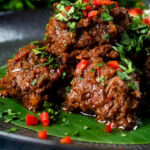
{"type": "Point", "coordinates": [97, 89]}
{"type": "Point", "coordinates": [90, 33]}
{"type": "Point", "coordinates": [30, 75]}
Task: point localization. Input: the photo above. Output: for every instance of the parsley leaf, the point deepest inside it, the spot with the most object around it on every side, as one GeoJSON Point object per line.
{"type": "Point", "coordinates": [106, 17]}
{"type": "Point", "coordinates": [102, 80]}
{"type": "Point", "coordinates": [33, 83]}
{"type": "Point", "coordinates": [125, 39]}
{"type": "Point", "coordinates": [123, 76]}
{"type": "Point", "coordinates": [107, 36]}
{"type": "Point", "coordinates": [133, 86]}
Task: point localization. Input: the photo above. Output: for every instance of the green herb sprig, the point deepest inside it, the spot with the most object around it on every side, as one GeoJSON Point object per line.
{"type": "Point", "coordinates": [72, 15]}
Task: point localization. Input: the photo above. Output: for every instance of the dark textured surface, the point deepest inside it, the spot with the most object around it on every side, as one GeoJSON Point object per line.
{"type": "Point", "coordinates": [16, 30]}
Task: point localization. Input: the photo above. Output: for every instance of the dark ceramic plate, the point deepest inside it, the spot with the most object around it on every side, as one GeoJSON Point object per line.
{"type": "Point", "coordinates": [16, 30]}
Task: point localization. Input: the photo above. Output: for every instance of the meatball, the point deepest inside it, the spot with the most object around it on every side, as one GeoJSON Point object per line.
{"type": "Point", "coordinates": [97, 89]}
{"type": "Point", "coordinates": [31, 75]}
{"type": "Point", "coordinates": [90, 33]}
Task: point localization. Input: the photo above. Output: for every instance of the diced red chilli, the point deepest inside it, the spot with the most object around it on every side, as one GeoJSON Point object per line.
{"type": "Point", "coordinates": [31, 120]}
{"type": "Point", "coordinates": [66, 140]}
{"type": "Point", "coordinates": [42, 135]}
{"type": "Point", "coordinates": [92, 13]}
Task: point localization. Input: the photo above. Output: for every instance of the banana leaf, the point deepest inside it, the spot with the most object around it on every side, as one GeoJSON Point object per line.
{"type": "Point", "coordinates": [78, 127]}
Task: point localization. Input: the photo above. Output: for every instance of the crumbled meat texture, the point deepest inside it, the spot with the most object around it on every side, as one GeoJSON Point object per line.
{"type": "Point", "coordinates": [28, 79]}
{"type": "Point", "coordinates": [90, 34]}
{"type": "Point", "coordinates": [113, 102]}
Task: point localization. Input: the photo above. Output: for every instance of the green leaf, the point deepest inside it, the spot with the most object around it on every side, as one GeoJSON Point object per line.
{"type": "Point", "coordinates": [102, 80]}
{"type": "Point", "coordinates": [123, 76]}
{"type": "Point", "coordinates": [133, 86]}
{"type": "Point", "coordinates": [125, 39]}
{"type": "Point", "coordinates": [33, 83]}
{"type": "Point", "coordinates": [13, 129]}
{"type": "Point", "coordinates": [61, 17]}
{"type": "Point", "coordinates": [72, 26]}
{"type": "Point", "coordinates": [106, 17]}
{"type": "Point", "coordinates": [78, 127]}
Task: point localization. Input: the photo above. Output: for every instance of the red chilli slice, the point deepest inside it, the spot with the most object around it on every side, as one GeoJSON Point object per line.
{"type": "Point", "coordinates": [135, 11]}
{"type": "Point", "coordinates": [99, 71]}
{"type": "Point", "coordinates": [66, 140]}
{"type": "Point", "coordinates": [108, 128]}
{"type": "Point", "coordinates": [83, 64]}
{"type": "Point", "coordinates": [88, 8]}
{"type": "Point", "coordinates": [86, 1]}
{"type": "Point", "coordinates": [31, 120]}
{"type": "Point", "coordinates": [105, 2]}
{"type": "Point", "coordinates": [67, 8]}
{"type": "Point", "coordinates": [42, 135]}
{"type": "Point", "coordinates": [113, 64]}
{"type": "Point", "coordinates": [92, 13]}
{"type": "Point", "coordinates": [146, 21]}
{"type": "Point", "coordinates": [44, 118]}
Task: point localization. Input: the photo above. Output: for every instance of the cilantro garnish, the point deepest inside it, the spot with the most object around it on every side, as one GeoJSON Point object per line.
{"type": "Point", "coordinates": [33, 83]}
{"type": "Point", "coordinates": [68, 88]}
{"type": "Point", "coordinates": [107, 36]}
{"type": "Point", "coordinates": [74, 13]}
{"type": "Point", "coordinates": [133, 86]}
{"type": "Point", "coordinates": [38, 50]}
{"type": "Point", "coordinates": [106, 17]}
{"type": "Point", "coordinates": [64, 75]}
{"type": "Point", "coordinates": [100, 65]}
{"type": "Point", "coordinates": [123, 75]}
{"type": "Point", "coordinates": [13, 129]}
{"type": "Point", "coordinates": [102, 80]}
{"type": "Point", "coordinates": [93, 69]}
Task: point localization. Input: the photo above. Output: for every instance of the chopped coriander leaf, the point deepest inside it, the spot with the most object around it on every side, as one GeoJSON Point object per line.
{"type": "Point", "coordinates": [75, 12]}
{"type": "Point", "coordinates": [38, 50]}
{"type": "Point", "coordinates": [45, 37]}
{"type": "Point", "coordinates": [68, 88]}
{"type": "Point", "coordinates": [65, 44]}
{"type": "Point", "coordinates": [13, 129]}
{"type": "Point", "coordinates": [50, 60]}
{"type": "Point", "coordinates": [107, 36]}
{"type": "Point", "coordinates": [33, 83]}
{"type": "Point", "coordinates": [64, 75]}
{"type": "Point", "coordinates": [54, 66]}
{"type": "Point", "coordinates": [71, 11]}
{"type": "Point", "coordinates": [71, 35]}
{"type": "Point", "coordinates": [93, 69]}
{"type": "Point", "coordinates": [123, 75]}
{"type": "Point", "coordinates": [61, 8]}
{"type": "Point", "coordinates": [80, 78]}
{"type": "Point", "coordinates": [67, 123]}
{"type": "Point", "coordinates": [125, 39]}
{"type": "Point", "coordinates": [102, 80]}
{"type": "Point", "coordinates": [72, 26]}
{"type": "Point", "coordinates": [65, 3]}
{"type": "Point", "coordinates": [100, 65]}
{"type": "Point", "coordinates": [122, 67]}
{"type": "Point", "coordinates": [42, 78]}
{"type": "Point", "coordinates": [1, 88]}
{"type": "Point", "coordinates": [72, 81]}
{"type": "Point", "coordinates": [106, 17]}
{"type": "Point", "coordinates": [133, 86]}
{"type": "Point", "coordinates": [61, 17]}
{"type": "Point", "coordinates": [111, 6]}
